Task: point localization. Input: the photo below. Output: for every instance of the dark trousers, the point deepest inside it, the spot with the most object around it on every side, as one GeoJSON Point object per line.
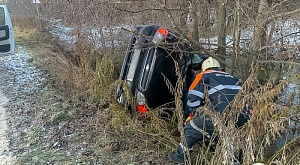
{"type": "Point", "coordinates": [195, 131]}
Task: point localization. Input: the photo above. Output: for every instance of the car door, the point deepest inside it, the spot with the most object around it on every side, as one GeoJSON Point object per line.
{"type": "Point", "coordinates": [7, 42]}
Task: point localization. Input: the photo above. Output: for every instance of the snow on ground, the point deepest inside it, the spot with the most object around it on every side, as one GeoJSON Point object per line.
{"type": "Point", "coordinates": [100, 37]}
{"type": "Point", "coordinates": [5, 154]}
{"type": "Point", "coordinates": [290, 95]}
{"type": "Point", "coordinates": [63, 32]}
{"type": "Point", "coordinates": [246, 37]}
{"type": "Point", "coordinates": [287, 33]}
{"type": "Point", "coordinates": [18, 80]}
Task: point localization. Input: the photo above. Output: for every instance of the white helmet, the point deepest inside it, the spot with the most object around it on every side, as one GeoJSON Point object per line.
{"type": "Point", "coordinates": [210, 63]}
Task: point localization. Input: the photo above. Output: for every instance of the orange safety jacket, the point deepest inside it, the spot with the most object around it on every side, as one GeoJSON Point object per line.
{"type": "Point", "coordinates": [221, 89]}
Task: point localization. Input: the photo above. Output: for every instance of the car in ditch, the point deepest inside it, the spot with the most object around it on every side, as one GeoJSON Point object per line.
{"type": "Point", "coordinates": [149, 68]}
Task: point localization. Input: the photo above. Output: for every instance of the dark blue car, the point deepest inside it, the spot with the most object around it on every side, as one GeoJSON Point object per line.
{"type": "Point", "coordinates": [149, 62]}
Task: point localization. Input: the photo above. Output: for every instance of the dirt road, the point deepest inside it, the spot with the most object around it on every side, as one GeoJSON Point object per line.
{"type": "Point", "coordinates": [18, 81]}
{"type": "Point", "coordinates": [6, 157]}
{"type": "Point", "coordinates": [35, 121]}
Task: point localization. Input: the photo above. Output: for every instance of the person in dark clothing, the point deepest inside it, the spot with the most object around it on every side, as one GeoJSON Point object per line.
{"type": "Point", "coordinates": [221, 88]}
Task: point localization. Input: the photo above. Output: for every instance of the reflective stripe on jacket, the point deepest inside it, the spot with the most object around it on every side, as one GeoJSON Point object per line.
{"type": "Point", "coordinates": [221, 89]}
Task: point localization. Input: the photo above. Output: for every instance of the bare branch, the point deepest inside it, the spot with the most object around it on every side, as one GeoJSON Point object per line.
{"type": "Point", "coordinates": [281, 62]}
{"type": "Point", "coordinates": [286, 13]}
{"type": "Point", "coordinates": [286, 36]}
{"type": "Point", "coordinates": [148, 9]}
{"type": "Point", "coordinates": [193, 42]}
{"type": "Point", "coordinates": [278, 4]}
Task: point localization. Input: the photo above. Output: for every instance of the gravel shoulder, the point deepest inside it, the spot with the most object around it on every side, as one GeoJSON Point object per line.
{"type": "Point", "coordinates": [19, 84]}
{"type": "Point", "coordinates": [42, 122]}
{"type": "Point", "coordinates": [5, 154]}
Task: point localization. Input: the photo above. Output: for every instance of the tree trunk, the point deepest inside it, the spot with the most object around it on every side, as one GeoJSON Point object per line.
{"type": "Point", "coordinates": [259, 38]}
{"type": "Point", "coordinates": [236, 37]}
{"type": "Point", "coordinates": [194, 32]}
{"type": "Point", "coordinates": [184, 19]}
{"type": "Point", "coordinates": [222, 29]}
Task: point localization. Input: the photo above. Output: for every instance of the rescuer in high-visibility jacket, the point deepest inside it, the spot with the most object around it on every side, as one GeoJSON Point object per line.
{"type": "Point", "coordinates": [221, 88]}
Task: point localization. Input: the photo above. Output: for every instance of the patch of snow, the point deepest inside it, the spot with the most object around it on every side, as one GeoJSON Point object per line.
{"type": "Point", "coordinates": [290, 95]}
{"type": "Point", "coordinates": [5, 154]}
{"type": "Point", "coordinates": [63, 32]}
{"type": "Point", "coordinates": [285, 41]}
{"type": "Point", "coordinates": [286, 34]}
{"type": "Point", "coordinates": [100, 37]}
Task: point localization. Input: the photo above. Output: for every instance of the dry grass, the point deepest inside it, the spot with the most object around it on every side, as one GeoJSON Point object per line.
{"type": "Point", "coordinates": [134, 138]}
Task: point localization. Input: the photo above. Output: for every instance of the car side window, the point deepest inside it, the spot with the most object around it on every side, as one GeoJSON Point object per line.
{"type": "Point", "coordinates": [2, 16]}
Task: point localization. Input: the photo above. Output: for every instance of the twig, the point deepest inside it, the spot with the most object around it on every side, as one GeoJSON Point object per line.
{"type": "Point", "coordinates": [148, 9]}
{"type": "Point", "coordinates": [286, 36]}
{"type": "Point", "coordinates": [274, 61]}
{"type": "Point", "coordinates": [286, 13]}
{"type": "Point", "coordinates": [196, 43]}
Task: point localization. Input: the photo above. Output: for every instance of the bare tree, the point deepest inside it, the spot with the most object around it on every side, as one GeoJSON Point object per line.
{"type": "Point", "coordinates": [194, 31]}
{"type": "Point", "coordinates": [259, 38]}
{"type": "Point", "coordinates": [222, 28]}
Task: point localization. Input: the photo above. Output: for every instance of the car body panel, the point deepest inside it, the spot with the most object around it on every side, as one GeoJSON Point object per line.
{"type": "Point", "coordinates": [7, 42]}
{"type": "Point", "coordinates": [147, 66]}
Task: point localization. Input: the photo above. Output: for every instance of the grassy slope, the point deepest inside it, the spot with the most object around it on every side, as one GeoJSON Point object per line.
{"type": "Point", "coordinates": [89, 129]}
{"type": "Point", "coordinates": [78, 129]}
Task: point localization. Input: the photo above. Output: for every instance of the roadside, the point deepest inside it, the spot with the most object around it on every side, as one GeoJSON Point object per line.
{"type": "Point", "coordinates": [52, 123]}
{"type": "Point", "coordinates": [22, 83]}
{"type": "Point", "coordinates": [5, 154]}
{"type": "Point", "coordinates": [44, 127]}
